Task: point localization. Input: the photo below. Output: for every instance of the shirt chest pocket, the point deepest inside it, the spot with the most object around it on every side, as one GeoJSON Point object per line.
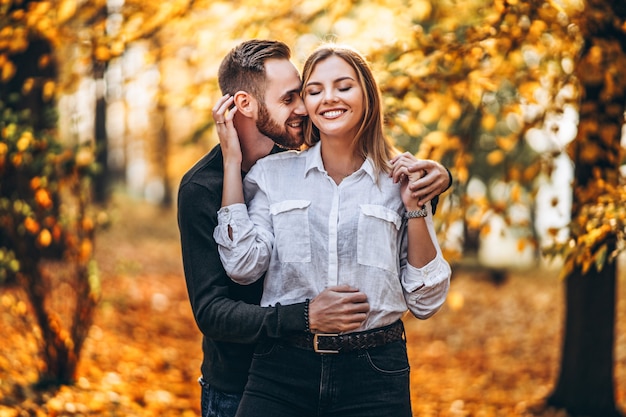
{"type": "Point", "coordinates": [291, 230]}
{"type": "Point", "coordinates": [378, 240]}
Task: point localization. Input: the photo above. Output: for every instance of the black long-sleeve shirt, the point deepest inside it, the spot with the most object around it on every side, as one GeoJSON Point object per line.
{"type": "Point", "coordinates": [227, 314]}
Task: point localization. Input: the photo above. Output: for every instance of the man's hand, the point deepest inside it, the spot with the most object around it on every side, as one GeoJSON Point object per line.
{"type": "Point", "coordinates": [338, 309]}
{"type": "Point", "coordinates": [427, 178]}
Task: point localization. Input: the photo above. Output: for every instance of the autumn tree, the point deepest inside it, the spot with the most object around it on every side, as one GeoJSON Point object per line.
{"type": "Point", "coordinates": [585, 384]}
{"type": "Point", "coordinates": [533, 49]}
{"type": "Point", "coordinates": [44, 213]}
{"type": "Point", "coordinates": [46, 218]}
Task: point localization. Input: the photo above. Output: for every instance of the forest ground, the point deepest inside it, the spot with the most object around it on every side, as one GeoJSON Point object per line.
{"type": "Point", "coordinates": [492, 351]}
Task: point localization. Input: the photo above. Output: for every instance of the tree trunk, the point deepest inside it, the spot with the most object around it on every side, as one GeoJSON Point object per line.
{"type": "Point", "coordinates": [59, 361]}
{"type": "Point", "coordinates": [163, 138]}
{"type": "Point", "coordinates": [101, 180]}
{"type": "Point", "coordinates": [585, 385]}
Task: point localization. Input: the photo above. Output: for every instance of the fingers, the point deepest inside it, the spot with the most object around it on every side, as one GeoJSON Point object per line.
{"type": "Point", "coordinates": [221, 113]}
{"type": "Point", "coordinates": [342, 288]}
{"type": "Point", "coordinates": [338, 309]}
{"type": "Point", "coordinates": [344, 294]}
{"type": "Point", "coordinates": [400, 166]}
{"type": "Point", "coordinates": [423, 194]}
{"type": "Point", "coordinates": [425, 178]}
{"type": "Point", "coordinates": [219, 110]}
{"type": "Point", "coordinates": [423, 165]}
{"type": "Point", "coordinates": [429, 186]}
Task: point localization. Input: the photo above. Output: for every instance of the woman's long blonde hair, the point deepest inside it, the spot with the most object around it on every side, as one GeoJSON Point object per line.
{"type": "Point", "coordinates": [370, 138]}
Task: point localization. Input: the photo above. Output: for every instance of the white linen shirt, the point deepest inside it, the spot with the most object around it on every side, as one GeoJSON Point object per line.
{"type": "Point", "coordinates": [309, 233]}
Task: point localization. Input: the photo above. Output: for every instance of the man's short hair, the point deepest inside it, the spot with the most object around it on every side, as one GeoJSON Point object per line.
{"type": "Point", "coordinates": [243, 68]}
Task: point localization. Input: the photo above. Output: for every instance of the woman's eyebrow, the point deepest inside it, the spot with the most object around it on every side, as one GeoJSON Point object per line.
{"type": "Point", "coordinates": [334, 81]}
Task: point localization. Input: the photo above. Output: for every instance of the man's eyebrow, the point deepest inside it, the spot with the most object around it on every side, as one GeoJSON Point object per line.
{"type": "Point", "coordinates": [291, 92]}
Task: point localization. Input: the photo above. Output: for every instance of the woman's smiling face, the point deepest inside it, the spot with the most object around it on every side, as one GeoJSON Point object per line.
{"type": "Point", "coordinates": [334, 98]}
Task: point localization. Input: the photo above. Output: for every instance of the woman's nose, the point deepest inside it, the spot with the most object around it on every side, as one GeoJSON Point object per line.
{"type": "Point", "coordinates": [329, 95]}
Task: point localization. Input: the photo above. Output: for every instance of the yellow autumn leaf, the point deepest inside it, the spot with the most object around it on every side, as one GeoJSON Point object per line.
{"type": "Point", "coordinates": [455, 300]}
{"type": "Point", "coordinates": [454, 110]}
{"type": "Point", "coordinates": [102, 53]}
{"type": "Point", "coordinates": [488, 122]}
{"type": "Point", "coordinates": [23, 142]}
{"type": "Point", "coordinates": [31, 225]}
{"type": "Point", "coordinates": [421, 9]}
{"type": "Point", "coordinates": [462, 174]}
{"type": "Point", "coordinates": [42, 197]}
{"type": "Point", "coordinates": [84, 157]}
{"type": "Point", "coordinates": [47, 92]}
{"type": "Point", "coordinates": [527, 90]}
{"type": "Point", "coordinates": [600, 257]}
{"type": "Point", "coordinates": [531, 172]}
{"type": "Point", "coordinates": [86, 249]}
{"type": "Point", "coordinates": [495, 157]}
{"type": "Point", "coordinates": [8, 71]}
{"type": "Point", "coordinates": [45, 238]}
{"type": "Point", "coordinates": [537, 28]}
{"type": "Point", "coordinates": [44, 61]}
{"type": "Point", "coordinates": [516, 193]}
{"type": "Point", "coordinates": [586, 264]}
{"type": "Point", "coordinates": [44, 24]}
{"type": "Point", "coordinates": [66, 10]}
{"type": "Point", "coordinates": [28, 85]}
{"type": "Point", "coordinates": [16, 160]}
{"type": "Point", "coordinates": [413, 103]}
{"type": "Point", "coordinates": [436, 139]}
{"type": "Point", "coordinates": [506, 143]}
{"type": "Point", "coordinates": [566, 269]}
{"type": "Point", "coordinates": [431, 113]}
{"type": "Point", "coordinates": [117, 48]}
{"type": "Point", "coordinates": [413, 128]}
{"type": "Point", "coordinates": [87, 224]}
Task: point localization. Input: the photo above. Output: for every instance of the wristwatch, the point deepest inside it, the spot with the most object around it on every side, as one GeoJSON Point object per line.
{"type": "Point", "coordinates": [411, 214]}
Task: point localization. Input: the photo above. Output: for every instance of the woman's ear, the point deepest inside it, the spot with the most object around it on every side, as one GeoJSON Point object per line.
{"type": "Point", "coordinates": [246, 104]}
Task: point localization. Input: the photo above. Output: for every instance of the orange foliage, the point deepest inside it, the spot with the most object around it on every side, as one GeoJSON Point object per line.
{"type": "Point", "coordinates": [492, 350]}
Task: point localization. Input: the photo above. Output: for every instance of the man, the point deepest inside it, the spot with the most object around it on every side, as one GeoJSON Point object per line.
{"type": "Point", "coordinates": [260, 79]}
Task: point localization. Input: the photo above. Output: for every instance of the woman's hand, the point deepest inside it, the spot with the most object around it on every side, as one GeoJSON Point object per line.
{"type": "Point", "coordinates": [232, 191]}
{"type": "Point", "coordinates": [401, 173]}
{"type": "Point", "coordinates": [223, 115]}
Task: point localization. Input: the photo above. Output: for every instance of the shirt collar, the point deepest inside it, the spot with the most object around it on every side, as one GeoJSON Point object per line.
{"type": "Point", "coordinates": [314, 161]}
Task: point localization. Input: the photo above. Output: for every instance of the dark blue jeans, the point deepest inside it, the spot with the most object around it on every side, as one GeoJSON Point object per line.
{"type": "Point", "coordinates": [287, 381]}
{"type": "Point", "coordinates": [216, 403]}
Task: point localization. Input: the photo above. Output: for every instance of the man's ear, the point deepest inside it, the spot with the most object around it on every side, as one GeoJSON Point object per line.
{"type": "Point", "coordinates": [246, 104]}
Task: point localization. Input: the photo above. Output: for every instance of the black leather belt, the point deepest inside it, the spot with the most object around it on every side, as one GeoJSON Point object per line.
{"type": "Point", "coordinates": [338, 343]}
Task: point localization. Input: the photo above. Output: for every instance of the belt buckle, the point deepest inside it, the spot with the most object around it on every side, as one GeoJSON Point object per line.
{"type": "Point", "coordinates": [316, 342]}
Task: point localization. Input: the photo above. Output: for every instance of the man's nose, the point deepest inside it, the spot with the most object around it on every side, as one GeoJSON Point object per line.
{"type": "Point", "coordinates": [300, 110]}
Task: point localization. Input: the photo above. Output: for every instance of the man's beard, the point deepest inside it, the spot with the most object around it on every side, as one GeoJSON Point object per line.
{"type": "Point", "coordinates": [274, 131]}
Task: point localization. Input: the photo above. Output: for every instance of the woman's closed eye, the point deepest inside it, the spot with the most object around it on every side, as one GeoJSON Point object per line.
{"type": "Point", "coordinates": [340, 89]}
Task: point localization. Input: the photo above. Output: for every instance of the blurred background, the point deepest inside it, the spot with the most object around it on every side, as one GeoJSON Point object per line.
{"type": "Point", "coordinates": [105, 104]}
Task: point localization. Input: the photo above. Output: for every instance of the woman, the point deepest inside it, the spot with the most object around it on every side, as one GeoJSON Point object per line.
{"type": "Point", "coordinates": [338, 212]}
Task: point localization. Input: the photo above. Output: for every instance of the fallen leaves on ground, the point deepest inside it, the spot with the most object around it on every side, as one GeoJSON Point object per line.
{"type": "Point", "coordinates": [492, 351]}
